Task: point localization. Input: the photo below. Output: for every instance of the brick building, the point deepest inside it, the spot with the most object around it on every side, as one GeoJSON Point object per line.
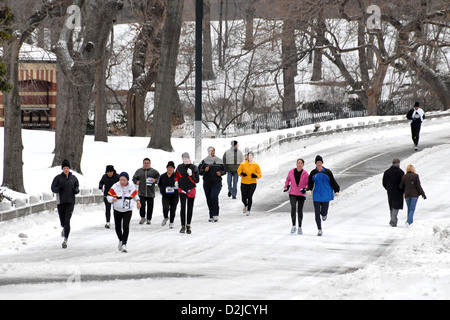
{"type": "Point", "coordinates": [37, 90]}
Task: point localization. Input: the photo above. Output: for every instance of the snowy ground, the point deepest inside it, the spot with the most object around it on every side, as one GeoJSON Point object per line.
{"type": "Point", "coordinates": [359, 257]}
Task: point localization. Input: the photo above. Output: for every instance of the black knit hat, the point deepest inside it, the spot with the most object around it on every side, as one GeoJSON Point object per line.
{"type": "Point", "coordinates": [318, 158]}
{"type": "Point", "coordinates": [65, 163]}
{"type": "Point", "coordinates": [171, 164]}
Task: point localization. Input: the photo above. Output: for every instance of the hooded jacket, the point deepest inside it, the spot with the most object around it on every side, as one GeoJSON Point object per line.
{"type": "Point", "coordinates": [323, 184]}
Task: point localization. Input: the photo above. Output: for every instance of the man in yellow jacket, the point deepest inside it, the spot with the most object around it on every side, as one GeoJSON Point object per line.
{"type": "Point", "coordinates": [250, 173]}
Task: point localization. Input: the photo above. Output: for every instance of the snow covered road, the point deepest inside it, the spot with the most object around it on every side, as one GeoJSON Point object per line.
{"type": "Point", "coordinates": [360, 256]}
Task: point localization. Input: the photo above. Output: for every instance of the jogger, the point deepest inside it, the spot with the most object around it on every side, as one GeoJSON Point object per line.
{"type": "Point", "coordinates": [169, 194]}
{"type": "Point", "coordinates": [123, 195]}
{"type": "Point", "coordinates": [297, 184]}
{"type": "Point", "coordinates": [187, 176]}
{"type": "Point", "coordinates": [324, 186]}
{"type": "Point", "coordinates": [66, 186]}
{"type": "Point", "coordinates": [250, 173]}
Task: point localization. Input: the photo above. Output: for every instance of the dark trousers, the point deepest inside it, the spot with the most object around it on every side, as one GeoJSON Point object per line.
{"type": "Point", "coordinates": [65, 211]}
{"type": "Point", "coordinates": [321, 209]}
{"type": "Point", "coordinates": [122, 222]}
{"type": "Point", "coordinates": [212, 191]}
{"type": "Point", "coordinates": [107, 210]}
{"type": "Point", "coordinates": [301, 201]}
{"type": "Point", "coordinates": [186, 220]}
{"type": "Point", "coordinates": [247, 191]}
{"type": "Point", "coordinates": [169, 205]}
{"type": "Point", "coordinates": [146, 202]}
{"type": "Point", "coordinates": [415, 131]}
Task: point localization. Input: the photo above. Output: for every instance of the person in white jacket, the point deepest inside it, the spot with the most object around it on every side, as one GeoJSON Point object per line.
{"type": "Point", "coordinates": [123, 195]}
{"type": "Point", "coordinates": [416, 115]}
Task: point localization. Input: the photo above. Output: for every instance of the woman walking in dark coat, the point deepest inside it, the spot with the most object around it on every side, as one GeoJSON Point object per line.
{"type": "Point", "coordinates": [411, 184]}
{"type": "Point", "coordinates": [391, 182]}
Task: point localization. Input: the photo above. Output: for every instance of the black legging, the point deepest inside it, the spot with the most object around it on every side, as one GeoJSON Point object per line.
{"type": "Point", "coordinates": [301, 201]}
{"type": "Point", "coordinates": [125, 218]}
{"type": "Point", "coordinates": [65, 211]}
{"type": "Point", "coordinates": [247, 191]}
{"type": "Point", "coordinates": [190, 209]}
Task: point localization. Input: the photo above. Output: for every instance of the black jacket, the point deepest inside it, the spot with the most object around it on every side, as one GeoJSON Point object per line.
{"type": "Point", "coordinates": [66, 187]}
{"type": "Point", "coordinates": [186, 182]}
{"type": "Point", "coordinates": [391, 182]}
{"type": "Point", "coordinates": [108, 182]}
{"type": "Point", "coordinates": [166, 181]}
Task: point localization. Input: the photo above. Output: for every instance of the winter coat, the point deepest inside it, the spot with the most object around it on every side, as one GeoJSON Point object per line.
{"type": "Point", "coordinates": [65, 187]}
{"type": "Point", "coordinates": [126, 196]}
{"type": "Point", "coordinates": [146, 185]}
{"type": "Point", "coordinates": [107, 182]}
{"type": "Point", "coordinates": [215, 165]}
{"type": "Point", "coordinates": [247, 169]}
{"type": "Point", "coordinates": [392, 178]}
{"type": "Point", "coordinates": [416, 116]}
{"type": "Point", "coordinates": [187, 183]}
{"type": "Point", "coordinates": [296, 189]}
{"type": "Point", "coordinates": [166, 185]}
{"type": "Point", "coordinates": [232, 158]}
{"type": "Point", "coordinates": [410, 183]}
{"type": "Point", "coordinates": [323, 184]}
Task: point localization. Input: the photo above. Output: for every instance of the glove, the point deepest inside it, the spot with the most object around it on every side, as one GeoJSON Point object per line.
{"type": "Point", "coordinates": [286, 189]}
{"type": "Point", "coordinates": [424, 197]}
{"type": "Point", "coordinates": [254, 176]}
{"type": "Point", "coordinates": [243, 174]}
{"type": "Point", "coordinates": [303, 190]}
{"type": "Point", "coordinates": [76, 190]}
{"type": "Point", "coordinates": [189, 172]}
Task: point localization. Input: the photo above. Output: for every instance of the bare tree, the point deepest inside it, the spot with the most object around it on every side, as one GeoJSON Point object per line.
{"type": "Point", "coordinates": [162, 129]}
{"type": "Point", "coordinates": [146, 58]}
{"type": "Point", "coordinates": [77, 61]}
{"type": "Point", "coordinates": [23, 27]}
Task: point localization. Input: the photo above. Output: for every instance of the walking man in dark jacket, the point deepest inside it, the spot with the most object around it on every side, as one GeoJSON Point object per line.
{"type": "Point", "coordinates": [212, 169]}
{"type": "Point", "coordinates": [391, 182]}
{"type": "Point", "coordinates": [66, 186]}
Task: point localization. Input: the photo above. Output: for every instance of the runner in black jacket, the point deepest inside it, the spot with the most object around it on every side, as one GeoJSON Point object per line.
{"type": "Point", "coordinates": [66, 186]}
{"type": "Point", "coordinates": [107, 181]}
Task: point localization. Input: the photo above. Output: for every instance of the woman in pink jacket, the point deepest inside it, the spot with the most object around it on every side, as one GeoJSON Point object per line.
{"type": "Point", "coordinates": [297, 183]}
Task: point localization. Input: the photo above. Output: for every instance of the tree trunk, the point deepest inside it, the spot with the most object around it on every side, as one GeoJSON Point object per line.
{"type": "Point", "coordinates": [101, 122]}
{"type": "Point", "coordinates": [207, 71]}
{"type": "Point", "coordinates": [162, 124]}
{"type": "Point", "coordinates": [12, 158]}
{"type": "Point", "coordinates": [289, 56]}
{"type": "Point", "coordinates": [79, 71]}
{"type": "Point", "coordinates": [147, 46]}
{"type": "Point", "coordinates": [320, 29]}
{"type": "Point", "coordinates": [13, 147]}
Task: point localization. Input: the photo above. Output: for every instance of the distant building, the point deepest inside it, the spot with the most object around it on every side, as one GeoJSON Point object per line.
{"type": "Point", "coordinates": [37, 89]}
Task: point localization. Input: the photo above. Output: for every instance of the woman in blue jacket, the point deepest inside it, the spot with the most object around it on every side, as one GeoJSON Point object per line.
{"type": "Point", "coordinates": [323, 184]}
